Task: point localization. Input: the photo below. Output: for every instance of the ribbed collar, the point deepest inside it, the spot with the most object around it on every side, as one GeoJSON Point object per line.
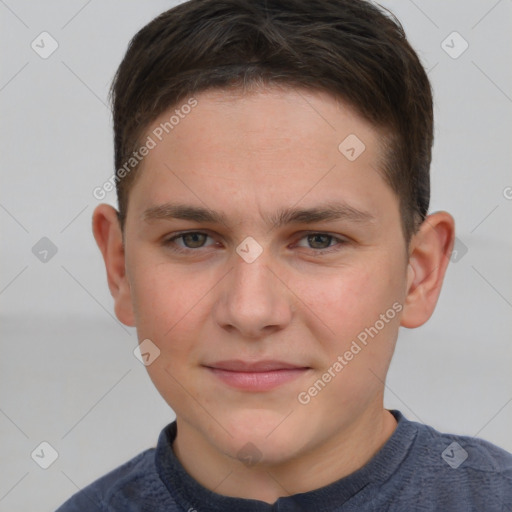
{"type": "Point", "coordinates": [189, 494]}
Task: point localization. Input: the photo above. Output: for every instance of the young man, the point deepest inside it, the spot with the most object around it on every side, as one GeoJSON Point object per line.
{"type": "Point", "coordinates": [272, 236]}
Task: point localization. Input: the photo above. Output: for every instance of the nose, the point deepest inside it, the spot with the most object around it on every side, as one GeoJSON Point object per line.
{"type": "Point", "coordinates": [254, 300]}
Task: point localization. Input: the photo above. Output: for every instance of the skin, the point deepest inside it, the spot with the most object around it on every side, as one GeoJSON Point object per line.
{"type": "Point", "coordinates": [249, 155]}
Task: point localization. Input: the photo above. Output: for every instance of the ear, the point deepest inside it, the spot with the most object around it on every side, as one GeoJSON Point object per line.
{"type": "Point", "coordinates": [429, 254]}
{"type": "Point", "coordinates": [108, 235]}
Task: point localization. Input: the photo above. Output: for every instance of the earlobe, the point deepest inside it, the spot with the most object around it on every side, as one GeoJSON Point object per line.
{"type": "Point", "coordinates": [429, 256]}
{"type": "Point", "coordinates": [108, 236]}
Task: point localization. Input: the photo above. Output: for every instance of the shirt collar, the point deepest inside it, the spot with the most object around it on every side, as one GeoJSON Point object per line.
{"type": "Point", "coordinates": [190, 495]}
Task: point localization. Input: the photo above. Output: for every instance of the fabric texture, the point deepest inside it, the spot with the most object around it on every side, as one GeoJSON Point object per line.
{"type": "Point", "coordinates": [417, 469]}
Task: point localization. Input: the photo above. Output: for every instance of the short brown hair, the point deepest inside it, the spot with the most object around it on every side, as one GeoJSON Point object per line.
{"type": "Point", "coordinates": [350, 49]}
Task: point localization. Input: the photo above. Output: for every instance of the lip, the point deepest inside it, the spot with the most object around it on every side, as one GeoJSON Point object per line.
{"type": "Point", "coordinates": [255, 376]}
{"type": "Point", "coordinates": [237, 365]}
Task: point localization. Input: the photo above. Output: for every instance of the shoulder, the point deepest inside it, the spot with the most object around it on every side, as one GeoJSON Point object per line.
{"type": "Point", "coordinates": [459, 451]}
{"type": "Point", "coordinates": [461, 469]}
{"type": "Point", "coordinates": [128, 487]}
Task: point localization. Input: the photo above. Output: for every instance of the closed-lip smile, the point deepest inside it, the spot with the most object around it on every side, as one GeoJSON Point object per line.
{"type": "Point", "coordinates": [255, 376]}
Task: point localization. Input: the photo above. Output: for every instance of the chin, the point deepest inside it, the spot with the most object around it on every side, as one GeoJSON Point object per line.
{"type": "Point", "coordinates": [262, 436]}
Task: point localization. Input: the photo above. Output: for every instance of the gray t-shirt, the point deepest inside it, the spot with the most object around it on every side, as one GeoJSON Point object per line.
{"type": "Point", "coordinates": [417, 469]}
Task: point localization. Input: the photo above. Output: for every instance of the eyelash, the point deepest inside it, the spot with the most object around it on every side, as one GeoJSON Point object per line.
{"type": "Point", "coordinates": [169, 242]}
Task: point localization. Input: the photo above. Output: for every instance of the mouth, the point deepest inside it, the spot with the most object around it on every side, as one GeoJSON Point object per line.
{"type": "Point", "coordinates": [256, 376]}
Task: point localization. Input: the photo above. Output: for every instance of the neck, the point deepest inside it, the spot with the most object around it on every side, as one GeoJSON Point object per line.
{"type": "Point", "coordinates": [340, 455]}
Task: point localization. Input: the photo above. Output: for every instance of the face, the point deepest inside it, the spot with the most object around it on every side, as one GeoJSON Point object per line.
{"type": "Point", "coordinates": [267, 264]}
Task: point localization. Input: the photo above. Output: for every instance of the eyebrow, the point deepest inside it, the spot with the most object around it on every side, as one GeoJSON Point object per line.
{"type": "Point", "coordinates": [325, 213]}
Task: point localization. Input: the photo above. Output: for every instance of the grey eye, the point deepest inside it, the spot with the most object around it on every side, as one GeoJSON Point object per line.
{"type": "Point", "coordinates": [194, 240]}
{"type": "Point", "coordinates": [319, 241]}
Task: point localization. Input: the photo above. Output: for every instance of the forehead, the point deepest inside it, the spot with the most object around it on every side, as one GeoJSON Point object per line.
{"type": "Point", "coordinates": [272, 118]}
{"type": "Point", "coordinates": [270, 148]}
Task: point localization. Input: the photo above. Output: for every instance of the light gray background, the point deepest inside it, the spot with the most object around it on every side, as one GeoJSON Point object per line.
{"type": "Point", "coordinates": [68, 375]}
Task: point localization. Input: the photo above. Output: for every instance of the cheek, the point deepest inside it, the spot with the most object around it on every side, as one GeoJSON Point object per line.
{"type": "Point", "coordinates": [356, 316]}
{"type": "Point", "coordinates": [348, 299]}
{"type": "Point", "coordinates": [357, 354]}
{"type": "Point", "coordinates": [167, 301]}
{"type": "Point", "coordinates": [169, 309]}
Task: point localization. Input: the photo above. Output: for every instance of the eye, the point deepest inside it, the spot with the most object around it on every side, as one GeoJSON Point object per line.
{"type": "Point", "coordinates": [322, 242]}
{"type": "Point", "coordinates": [194, 240]}
{"type": "Point", "coordinates": [190, 240]}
